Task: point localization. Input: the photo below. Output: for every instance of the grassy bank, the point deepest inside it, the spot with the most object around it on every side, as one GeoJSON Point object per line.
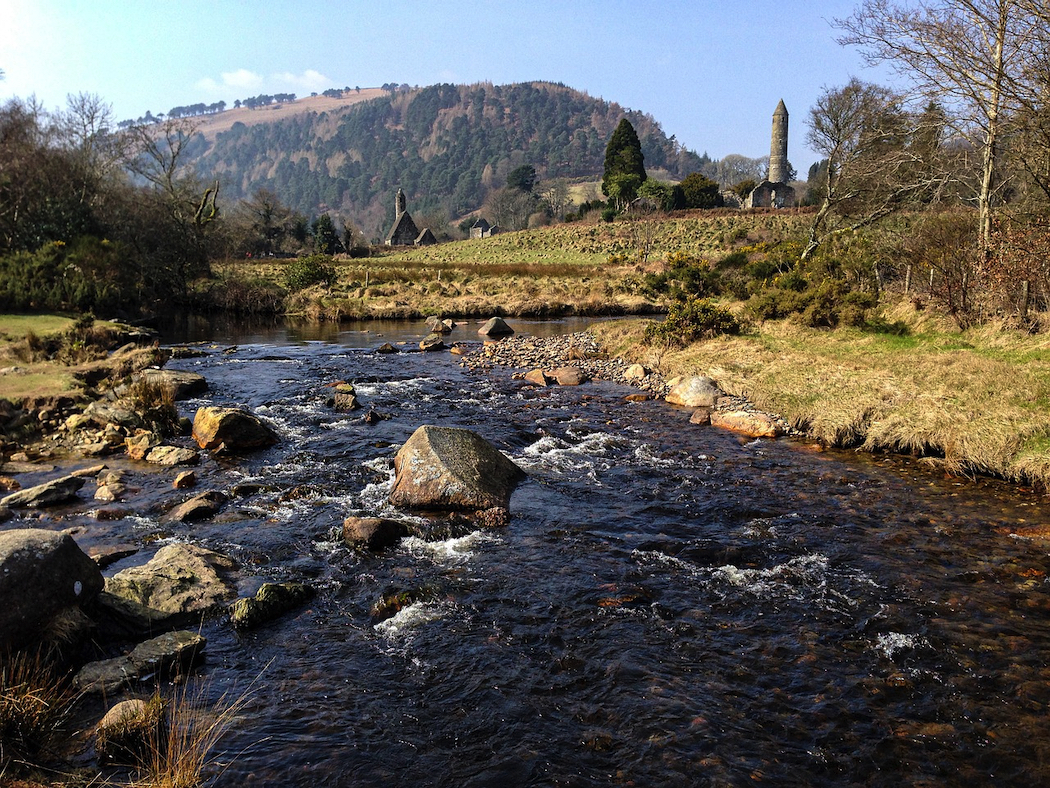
{"type": "Point", "coordinates": [978, 400]}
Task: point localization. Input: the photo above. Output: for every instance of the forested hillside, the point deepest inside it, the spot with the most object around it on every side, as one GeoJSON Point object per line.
{"type": "Point", "coordinates": [446, 145]}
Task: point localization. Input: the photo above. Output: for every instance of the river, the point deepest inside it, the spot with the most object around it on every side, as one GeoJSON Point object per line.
{"type": "Point", "coordinates": [670, 605]}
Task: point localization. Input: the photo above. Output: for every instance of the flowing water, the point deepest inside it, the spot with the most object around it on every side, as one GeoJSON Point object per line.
{"type": "Point", "coordinates": [670, 605]}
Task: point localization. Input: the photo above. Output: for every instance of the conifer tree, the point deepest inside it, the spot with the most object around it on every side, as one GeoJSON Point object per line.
{"type": "Point", "coordinates": [624, 164]}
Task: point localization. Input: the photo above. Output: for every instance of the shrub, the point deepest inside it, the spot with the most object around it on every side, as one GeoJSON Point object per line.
{"type": "Point", "coordinates": [307, 271]}
{"type": "Point", "coordinates": [690, 321]}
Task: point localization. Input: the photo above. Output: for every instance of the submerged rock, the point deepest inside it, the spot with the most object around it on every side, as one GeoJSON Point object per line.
{"type": "Point", "coordinates": [271, 601]}
{"type": "Point", "coordinates": [49, 493]}
{"type": "Point", "coordinates": [170, 456]}
{"type": "Point", "coordinates": [42, 575]}
{"type": "Point", "coordinates": [432, 342]}
{"type": "Point", "coordinates": [231, 429]}
{"type": "Point", "coordinates": [452, 468]}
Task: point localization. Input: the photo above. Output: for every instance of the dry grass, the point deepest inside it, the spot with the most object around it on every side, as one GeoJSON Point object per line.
{"type": "Point", "coordinates": [184, 750]}
{"type": "Point", "coordinates": [979, 399]}
{"type": "Point", "coordinates": [34, 705]}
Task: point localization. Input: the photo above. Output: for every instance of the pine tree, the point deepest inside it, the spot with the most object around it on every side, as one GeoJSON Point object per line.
{"type": "Point", "coordinates": [623, 157]}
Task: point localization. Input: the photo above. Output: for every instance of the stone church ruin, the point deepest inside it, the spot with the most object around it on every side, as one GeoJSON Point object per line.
{"type": "Point", "coordinates": [404, 232]}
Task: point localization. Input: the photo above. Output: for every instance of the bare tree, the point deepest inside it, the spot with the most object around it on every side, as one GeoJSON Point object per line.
{"type": "Point", "coordinates": [974, 56]}
{"type": "Point", "coordinates": [879, 159]}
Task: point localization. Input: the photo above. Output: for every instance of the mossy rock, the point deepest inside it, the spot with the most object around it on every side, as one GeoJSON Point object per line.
{"type": "Point", "coordinates": [271, 601]}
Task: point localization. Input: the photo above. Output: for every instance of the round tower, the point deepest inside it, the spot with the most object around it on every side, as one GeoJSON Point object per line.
{"type": "Point", "coordinates": [399, 204]}
{"type": "Point", "coordinates": [778, 148]}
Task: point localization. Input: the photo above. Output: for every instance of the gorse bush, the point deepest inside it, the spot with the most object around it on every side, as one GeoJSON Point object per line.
{"type": "Point", "coordinates": [308, 271]}
{"type": "Point", "coordinates": [690, 321]}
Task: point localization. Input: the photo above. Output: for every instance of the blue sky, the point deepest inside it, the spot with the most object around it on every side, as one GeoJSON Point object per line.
{"type": "Point", "coordinates": [710, 72]}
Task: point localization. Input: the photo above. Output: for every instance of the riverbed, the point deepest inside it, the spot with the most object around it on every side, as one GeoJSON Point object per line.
{"type": "Point", "coordinates": [670, 605]}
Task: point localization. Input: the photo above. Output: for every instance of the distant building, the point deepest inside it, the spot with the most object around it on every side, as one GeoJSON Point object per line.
{"type": "Point", "coordinates": [774, 192]}
{"type": "Point", "coordinates": [425, 238]}
{"type": "Point", "coordinates": [482, 229]}
{"type": "Point", "coordinates": [404, 232]}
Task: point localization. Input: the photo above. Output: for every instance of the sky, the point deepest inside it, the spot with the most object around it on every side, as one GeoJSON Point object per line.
{"type": "Point", "coordinates": [709, 71]}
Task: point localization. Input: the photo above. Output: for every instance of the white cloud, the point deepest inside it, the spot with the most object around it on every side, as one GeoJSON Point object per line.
{"type": "Point", "coordinates": [310, 80]}
{"type": "Point", "coordinates": [242, 78]}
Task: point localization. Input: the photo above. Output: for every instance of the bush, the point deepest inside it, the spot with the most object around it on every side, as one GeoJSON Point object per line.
{"type": "Point", "coordinates": [308, 271]}
{"type": "Point", "coordinates": [690, 321]}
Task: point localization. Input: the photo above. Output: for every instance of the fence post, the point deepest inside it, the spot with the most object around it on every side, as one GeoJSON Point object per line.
{"type": "Point", "coordinates": [1025, 291]}
{"type": "Point", "coordinates": [907, 280]}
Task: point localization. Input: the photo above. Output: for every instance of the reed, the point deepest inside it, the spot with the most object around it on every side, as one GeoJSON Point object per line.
{"type": "Point", "coordinates": [35, 703]}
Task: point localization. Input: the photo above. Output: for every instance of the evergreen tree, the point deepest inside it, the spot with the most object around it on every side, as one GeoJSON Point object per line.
{"type": "Point", "coordinates": [623, 157]}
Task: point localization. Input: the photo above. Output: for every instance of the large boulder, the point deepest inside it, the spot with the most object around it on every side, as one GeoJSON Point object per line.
{"type": "Point", "coordinates": [569, 376]}
{"type": "Point", "coordinates": [452, 468]}
{"type": "Point", "coordinates": [49, 493]}
{"type": "Point", "coordinates": [174, 383]}
{"type": "Point", "coordinates": [181, 578]}
{"type": "Point", "coordinates": [42, 574]}
{"type": "Point", "coordinates": [695, 392]}
{"type": "Point", "coordinates": [231, 429]}
{"type": "Point", "coordinates": [496, 327]}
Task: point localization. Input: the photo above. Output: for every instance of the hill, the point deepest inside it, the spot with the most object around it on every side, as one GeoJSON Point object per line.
{"type": "Point", "coordinates": [447, 146]}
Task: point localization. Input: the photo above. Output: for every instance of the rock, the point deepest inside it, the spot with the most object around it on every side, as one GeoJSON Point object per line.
{"type": "Point", "coordinates": [109, 493]}
{"type": "Point", "coordinates": [92, 470]}
{"type": "Point", "coordinates": [232, 429]}
{"type": "Point", "coordinates": [270, 601]}
{"type": "Point", "coordinates": [373, 533]}
{"type": "Point", "coordinates": [25, 467]}
{"type": "Point", "coordinates": [174, 383]}
{"type": "Point", "coordinates": [173, 652]}
{"type": "Point", "coordinates": [199, 507]}
{"type": "Point", "coordinates": [103, 413]}
{"type": "Point", "coordinates": [42, 574]}
{"type": "Point", "coordinates": [695, 392]}
{"type": "Point", "coordinates": [537, 377]}
{"type": "Point", "coordinates": [701, 416]}
{"type": "Point", "coordinates": [47, 494]}
{"type": "Point", "coordinates": [496, 327]}
{"type": "Point", "coordinates": [432, 342]}
{"type": "Point", "coordinates": [185, 480]}
{"type": "Point", "coordinates": [344, 401]}
{"type": "Point", "coordinates": [76, 422]}
{"type": "Point", "coordinates": [452, 468]}
{"type": "Point", "coordinates": [435, 325]}
{"type": "Point", "coordinates": [121, 619]}
{"type": "Point", "coordinates": [181, 578]}
{"type": "Point", "coordinates": [569, 376]}
{"type": "Point", "coordinates": [140, 444]}
{"type": "Point", "coordinates": [635, 372]}
{"type": "Point", "coordinates": [8, 484]}
{"type": "Point", "coordinates": [126, 732]}
{"type": "Point", "coordinates": [107, 555]}
{"type": "Point", "coordinates": [459, 350]}
{"type": "Point", "coordinates": [637, 398]}
{"type": "Point", "coordinates": [757, 425]}
{"type": "Point", "coordinates": [386, 347]}
{"type": "Point", "coordinates": [170, 456]}
{"type": "Point", "coordinates": [373, 417]}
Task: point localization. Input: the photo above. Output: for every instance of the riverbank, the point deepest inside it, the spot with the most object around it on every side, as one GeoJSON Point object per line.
{"type": "Point", "coordinates": [972, 402]}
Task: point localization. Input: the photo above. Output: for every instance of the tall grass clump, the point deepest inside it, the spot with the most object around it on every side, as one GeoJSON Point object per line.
{"type": "Point", "coordinates": [34, 704]}
{"type": "Point", "coordinates": [183, 749]}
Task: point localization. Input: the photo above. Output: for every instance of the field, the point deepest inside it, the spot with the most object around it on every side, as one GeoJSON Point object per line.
{"type": "Point", "coordinates": [584, 268]}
